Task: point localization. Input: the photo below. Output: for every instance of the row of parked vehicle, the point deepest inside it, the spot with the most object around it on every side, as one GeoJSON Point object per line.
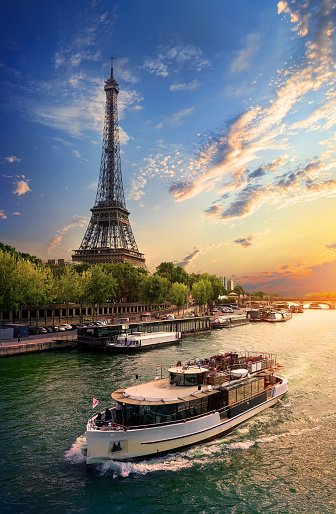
{"type": "Point", "coordinates": [52, 328]}
{"type": "Point", "coordinates": [224, 309]}
{"type": "Point", "coordinates": [62, 328]}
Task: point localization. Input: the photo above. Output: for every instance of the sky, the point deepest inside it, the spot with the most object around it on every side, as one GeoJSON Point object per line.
{"type": "Point", "coordinates": [227, 129]}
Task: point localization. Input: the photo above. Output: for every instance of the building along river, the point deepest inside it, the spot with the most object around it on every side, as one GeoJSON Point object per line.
{"type": "Point", "coordinates": [281, 461]}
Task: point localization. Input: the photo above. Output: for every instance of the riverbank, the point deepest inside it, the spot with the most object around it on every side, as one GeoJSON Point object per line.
{"type": "Point", "coordinates": [39, 344]}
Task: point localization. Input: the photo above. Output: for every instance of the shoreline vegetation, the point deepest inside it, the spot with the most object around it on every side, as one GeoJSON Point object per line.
{"type": "Point", "coordinates": [26, 281]}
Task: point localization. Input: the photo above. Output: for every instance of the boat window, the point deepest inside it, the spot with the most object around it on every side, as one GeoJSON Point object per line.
{"type": "Point", "coordinates": [190, 379]}
{"type": "Point", "coordinates": [183, 410]}
{"type": "Point", "coordinates": [176, 378]}
{"type": "Point", "coordinates": [187, 379]}
{"type": "Point", "coordinates": [165, 413]}
{"type": "Point", "coordinates": [255, 387]}
{"type": "Point", "coordinates": [232, 396]}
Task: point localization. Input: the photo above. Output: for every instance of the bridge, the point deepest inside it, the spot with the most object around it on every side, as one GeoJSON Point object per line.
{"type": "Point", "coordinates": [331, 303]}
{"type": "Point", "coordinates": [297, 300]}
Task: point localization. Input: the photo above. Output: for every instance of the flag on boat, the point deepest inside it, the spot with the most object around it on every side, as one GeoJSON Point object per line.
{"type": "Point", "coordinates": [94, 402]}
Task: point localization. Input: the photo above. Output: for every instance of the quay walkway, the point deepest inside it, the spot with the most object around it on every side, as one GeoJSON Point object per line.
{"type": "Point", "coordinates": [38, 343]}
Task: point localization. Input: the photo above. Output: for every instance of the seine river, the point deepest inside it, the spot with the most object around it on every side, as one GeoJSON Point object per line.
{"type": "Point", "coordinates": [281, 461]}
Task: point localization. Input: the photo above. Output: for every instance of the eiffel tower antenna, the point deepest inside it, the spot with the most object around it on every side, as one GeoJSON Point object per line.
{"type": "Point", "coordinates": [109, 237]}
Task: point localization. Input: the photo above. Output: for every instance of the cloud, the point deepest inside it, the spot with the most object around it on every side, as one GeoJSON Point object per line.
{"type": "Point", "coordinates": [221, 163]}
{"type": "Point", "coordinates": [171, 58]}
{"type": "Point", "coordinates": [290, 279]}
{"type": "Point", "coordinates": [21, 187]}
{"type": "Point", "coordinates": [331, 246]}
{"type": "Point", "coordinates": [189, 260]}
{"type": "Point", "coordinates": [136, 191]}
{"type": "Point", "coordinates": [77, 221]}
{"type": "Point", "coordinates": [195, 84]}
{"type": "Point", "coordinates": [16, 213]}
{"type": "Point", "coordinates": [246, 242]}
{"type": "Point", "coordinates": [243, 57]}
{"type": "Point", "coordinates": [83, 46]}
{"type": "Point", "coordinates": [12, 159]}
{"type": "Point", "coordinates": [123, 70]}
{"type": "Point", "coordinates": [178, 117]}
{"type": "Point", "coordinates": [3, 215]}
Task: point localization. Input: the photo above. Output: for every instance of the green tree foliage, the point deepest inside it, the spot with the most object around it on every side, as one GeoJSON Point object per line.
{"type": "Point", "coordinates": [128, 279]}
{"type": "Point", "coordinates": [101, 287]}
{"type": "Point", "coordinates": [172, 273]}
{"type": "Point", "coordinates": [153, 289]}
{"type": "Point", "coordinates": [202, 292]}
{"type": "Point", "coordinates": [178, 294]}
{"type": "Point", "coordinates": [239, 291]}
{"type": "Point", "coordinates": [258, 294]}
{"type": "Point", "coordinates": [23, 282]}
{"type": "Point", "coordinates": [14, 253]}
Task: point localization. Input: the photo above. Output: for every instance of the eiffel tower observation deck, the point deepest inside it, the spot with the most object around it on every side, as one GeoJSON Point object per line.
{"type": "Point", "coordinates": [109, 237]}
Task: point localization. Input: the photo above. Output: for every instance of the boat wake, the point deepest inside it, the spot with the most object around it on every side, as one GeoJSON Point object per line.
{"type": "Point", "coordinates": [77, 452]}
{"type": "Point", "coordinates": [197, 455]}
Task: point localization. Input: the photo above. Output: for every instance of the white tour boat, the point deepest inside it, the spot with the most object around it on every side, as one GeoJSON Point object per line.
{"type": "Point", "coordinates": [278, 316]}
{"type": "Point", "coordinates": [143, 341]}
{"type": "Point", "coordinates": [198, 402]}
{"type": "Point", "coordinates": [229, 321]}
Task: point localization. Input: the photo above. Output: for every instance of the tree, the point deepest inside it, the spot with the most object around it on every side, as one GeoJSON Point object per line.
{"type": "Point", "coordinates": [178, 294]}
{"type": "Point", "coordinates": [101, 287]}
{"type": "Point", "coordinates": [128, 279]}
{"type": "Point", "coordinates": [154, 289]}
{"type": "Point", "coordinates": [172, 273]}
{"type": "Point", "coordinates": [23, 282]}
{"type": "Point", "coordinates": [202, 292]}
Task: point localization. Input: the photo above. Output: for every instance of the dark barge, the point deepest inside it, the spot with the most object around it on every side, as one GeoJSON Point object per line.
{"type": "Point", "coordinates": [100, 336]}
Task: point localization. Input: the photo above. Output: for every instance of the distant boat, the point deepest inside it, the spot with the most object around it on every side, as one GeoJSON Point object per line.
{"type": "Point", "coordinates": [278, 316]}
{"type": "Point", "coordinates": [143, 341]}
{"type": "Point", "coordinates": [314, 306]}
{"type": "Point", "coordinates": [295, 309]}
{"type": "Point", "coordinates": [229, 321]}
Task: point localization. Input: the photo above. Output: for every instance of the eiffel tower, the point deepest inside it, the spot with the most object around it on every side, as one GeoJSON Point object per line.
{"type": "Point", "coordinates": [109, 237]}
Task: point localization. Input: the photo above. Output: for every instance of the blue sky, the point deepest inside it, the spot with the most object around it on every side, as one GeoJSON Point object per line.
{"type": "Point", "coordinates": [227, 129]}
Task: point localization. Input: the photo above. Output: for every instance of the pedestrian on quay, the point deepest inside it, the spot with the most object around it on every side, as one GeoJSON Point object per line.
{"type": "Point", "coordinates": [19, 338]}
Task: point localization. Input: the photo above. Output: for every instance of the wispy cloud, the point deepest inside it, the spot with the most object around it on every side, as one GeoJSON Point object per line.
{"type": "Point", "coordinates": [189, 260]}
{"type": "Point", "coordinates": [170, 58]}
{"type": "Point", "coordinates": [77, 221]}
{"type": "Point", "coordinates": [224, 158]}
{"type": "Point", "coordinates": [191, 86]}
{"type": "Point", "coordinates": [242, 60]}
{"type": "Point", "coordinates": [299, 277]}
{"type": "Point", "coordinates": [3, 216]}
{"type": "Point", "coordinates": [246, 242]}
{"type": "Point", "coordinates": [178, 117]}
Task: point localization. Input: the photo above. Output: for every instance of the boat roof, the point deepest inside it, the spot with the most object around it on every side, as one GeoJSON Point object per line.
{"type": "Point", "coordinates": [161, 392]}
{"type": "Point", "coordinates": [145, 335]}
{"type": "Point", "coordinates": [187, 370]}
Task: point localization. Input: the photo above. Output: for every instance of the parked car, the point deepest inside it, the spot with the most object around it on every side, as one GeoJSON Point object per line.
{"type": "Point", "coordinates": [48, 328]}
{"type": "Point", "coordinates": [61, 328]}
{"type": "Point", "coordinates": [65, 326]}
{"type": "Point", "coordinates": [75, 326]}
{"type": "Point", "coordinates": [42, 330]}
{"type": "Point", "coordinates": [55, 328]}
{"type": "Point", "coordinates": [33, 330]}
{"type": "Point", "coordinates": [227, 309]}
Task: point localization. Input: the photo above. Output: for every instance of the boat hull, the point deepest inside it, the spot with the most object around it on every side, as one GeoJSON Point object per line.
{"type": "Point", "coordinates": [130, 349]}
{"type": "Point", "coordinates": [118, 444]}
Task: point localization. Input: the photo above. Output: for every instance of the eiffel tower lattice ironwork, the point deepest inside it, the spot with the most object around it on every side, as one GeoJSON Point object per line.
{"type": "Point", "coordinates": [109, 237]}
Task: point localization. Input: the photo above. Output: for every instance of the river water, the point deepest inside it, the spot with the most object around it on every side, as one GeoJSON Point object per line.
{"type": "Point", "coordinates": [281, 461]}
